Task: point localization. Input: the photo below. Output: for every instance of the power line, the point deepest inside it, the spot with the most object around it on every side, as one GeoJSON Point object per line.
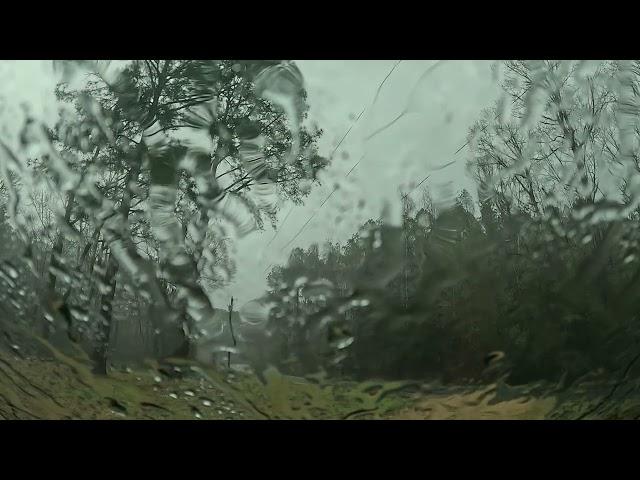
{"type": "Point", "coordinates": [519, 97]}
{"type": "Point", "coordinates": [378, 90]}
{"type": "Point", "coordinates": [457, 151]}
{"type": "Point", "coordinates": [315, 212]}
{"type": "Point", "coordinates": [278, 230]}
{"type": "Point", "coordinates": [318, 209]}
{"type": "Point", "coordinates": [403, 113]}
{"type": "Point", "coordinates": [340, 143]}
{"type": "Point", "coordinates": [421, 182]}
{"type": "Point", "coordinates": [375, 98]}
{"type": "Point", "coordinates": [406, 108]}
{"type": "Point", "coordinates": [346, 134]}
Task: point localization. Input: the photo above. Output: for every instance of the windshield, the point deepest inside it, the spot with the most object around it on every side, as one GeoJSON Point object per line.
{"type": "Point", "coordinates": [310, 239]}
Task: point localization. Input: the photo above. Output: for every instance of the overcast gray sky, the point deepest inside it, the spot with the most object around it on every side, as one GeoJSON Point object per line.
{"type": "Point", "coordinates": [441, 102]}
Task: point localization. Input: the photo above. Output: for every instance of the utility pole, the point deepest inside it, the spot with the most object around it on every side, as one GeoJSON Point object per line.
{"type": "Point", "coordinates": [405, 270]}
{"type": "Point", "coordinates": [233, 337]}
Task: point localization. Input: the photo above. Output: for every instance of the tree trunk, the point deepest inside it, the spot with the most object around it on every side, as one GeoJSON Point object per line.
{"type": "Point", "coordinates": [187, 348]}
{"type": "Point", "coordinates": [233, 337]}
{"type": "Point", "coordinates": [103, 342]}
{"type": "Point", "coordinates": [54, 263]}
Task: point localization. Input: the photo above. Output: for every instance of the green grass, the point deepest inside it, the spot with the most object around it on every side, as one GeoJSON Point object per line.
{"type": "Point", "coordinates": [63, 387]}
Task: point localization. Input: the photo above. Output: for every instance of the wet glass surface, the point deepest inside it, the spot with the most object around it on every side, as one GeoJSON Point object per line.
{"type": "Point", "coordinates": [220, 239]}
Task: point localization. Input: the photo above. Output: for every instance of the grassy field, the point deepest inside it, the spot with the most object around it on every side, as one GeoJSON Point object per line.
{"type": "Point", "coordinates": [63, 387]}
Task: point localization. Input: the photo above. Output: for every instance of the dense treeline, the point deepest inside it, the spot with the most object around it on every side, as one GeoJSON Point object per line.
{"type": "Point", "coordinates": [543, 265]}
{"type": "Point", "coordinates": [468, 286]}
